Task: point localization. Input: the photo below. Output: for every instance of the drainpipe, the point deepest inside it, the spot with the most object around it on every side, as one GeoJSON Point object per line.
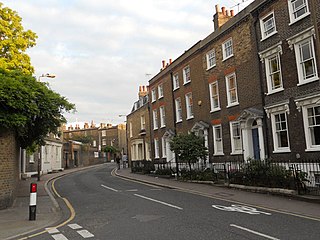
{"type": "Point", "coordinates": [261, 77]}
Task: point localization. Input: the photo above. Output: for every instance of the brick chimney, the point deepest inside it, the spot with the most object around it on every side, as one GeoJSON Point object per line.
{"type": "Point", "coordinates": [221, 17]}
{"type": "Point", "coordinates": [143, 91]}
{"type": "Point", "coordinates": [86, 125]}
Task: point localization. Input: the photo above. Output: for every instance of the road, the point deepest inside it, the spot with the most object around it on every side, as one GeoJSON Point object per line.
{"type": "Point", "coordinates": [107, 207]}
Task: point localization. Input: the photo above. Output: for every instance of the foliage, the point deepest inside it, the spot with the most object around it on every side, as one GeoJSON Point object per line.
{"type": "Point", "coordinates": [83, 139]}
{"type": "Point", "coordinates": [14, 41]}
{"type": "Point", "coordinates": [111, 149]}
{"type": "Point", "coordinates": [30, 108]}
{"type": "Point", "coordinates": [189, 148]}
{"type": "Point", "coordinates": [197, 175]}
{"type": "Point", "coordinates": [164, 171]}
{"type": "Point", "coordinates": [143, 166]}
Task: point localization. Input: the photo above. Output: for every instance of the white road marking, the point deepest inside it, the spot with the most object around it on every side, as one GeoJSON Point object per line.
{"type": "Point", "coordinates": [155, 189]}
{"type": "Point", "coordinates": [240, 208]}
{"type": "Point", "coordinates": [132, 190]}
{"type": "Point", "coordinates": [52, 230]}
{"type": "Point", "coordinates": [112, 189]}
{"type": "Point", "coordinates": [157, 201]}
{"type": "Point", "coordinates": [85, 233]}
{"type": "Point", "coordinates": [59, 237]}
{"type": "Point", "coordinates": [74, 226]}
{"type": "Point", "coordinates": [254, 232]}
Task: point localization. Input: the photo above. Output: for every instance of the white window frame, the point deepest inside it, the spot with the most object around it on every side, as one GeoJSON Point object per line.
{"type": "Point", "coordinates": [178, 106]}
{"type": "Point", "coordinates": [189, 105]}
{"type": "Point", "coordinates": [301, 73]}
{"type": "Point", "coordinates": [130, 130]}
{"type": "Point", "coordinates": [270, 75]}
{"type": "Point", "coordinates": [263, 26]}
{"type": "Point", "coordinates": [211, 59]}
{"type": "Point", "coordinates": [96, 154]}
{"type": "Point", "coordinates": [294, 19]}
{"type": "Point", "coordinates": [103, 133]}
{"type": "Point", "coordinates": [155, 119]}
{"type": "Point", "coordinates": [227, 49]}
{"type": "Point", "coordinates": [186, 75]}
{"type": "Point", "coordinates": [212, 96]}
{"type": "Point", "coordinates": [153, 95]}
{"type": "Point", "coordinates": [310, 146]}
{"type": "Point", "coordinates": [160, 91]}
{"type": "Point", "coordinates": [228, 77]}
{"type": "Point", "coordinates": [104, 142]}
{"type": "Point", "coordinates": [94, 143]}
{"type": "Point", "coordinates": [143, 121]}
{"type": "Point", "coordinates": [276, 131]}
{"type": "Point", "coordinates": [235, 138]}
{"type": "Point", "coordinates": [175, 81]}
{"type": "Point", "coordinates": [156, 148]}
{"type": "Point", "coordinates": [164, 147]}
{"type": "Point", "coordinates": [162, 117]}
{"type": "Point", "coordinates": [217, 140]}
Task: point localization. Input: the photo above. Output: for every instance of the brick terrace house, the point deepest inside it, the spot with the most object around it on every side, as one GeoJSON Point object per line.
{"type": "Point", "coordinates": [286, 37]}
{"type": "Point", "coordinates": [138, 131]}
{"type": "Point", "coordinates": [205, 91]}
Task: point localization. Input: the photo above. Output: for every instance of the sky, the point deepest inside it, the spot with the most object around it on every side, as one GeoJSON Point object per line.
{"type": "Point", "coordinates": [101, 51]}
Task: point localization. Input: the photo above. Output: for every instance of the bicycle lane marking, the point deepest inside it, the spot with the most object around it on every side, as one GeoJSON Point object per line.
{"type": "Point", "coordinates": [240, 208]}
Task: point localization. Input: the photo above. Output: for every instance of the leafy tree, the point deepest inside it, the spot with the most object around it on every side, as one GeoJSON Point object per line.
{"type": "Point", "coordinates": [189, 148]}
{"type": "Point", "coordinates": [14, 41]}
{"type": "Point", "coordinates": [83, 139]}
{"type": "Point", "coordinates": [111, 150]}
{"type": "Point", "coordinates": [30, 108]}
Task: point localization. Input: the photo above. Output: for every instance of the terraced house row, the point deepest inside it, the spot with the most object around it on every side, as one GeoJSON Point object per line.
{"type": "Point", "coordinates": [250, 88]}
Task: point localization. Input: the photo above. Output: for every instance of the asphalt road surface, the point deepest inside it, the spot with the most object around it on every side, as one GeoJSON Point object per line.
{"type": "Point", "coordinates": [110, 208]}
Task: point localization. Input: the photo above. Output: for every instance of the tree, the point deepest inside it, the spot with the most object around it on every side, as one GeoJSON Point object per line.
{"type": "Point", "coordinates": [189, 148]}
{"type": "Point", "coordinates": [111, 150]}
{"type": "Point", "coordinates": [14, 41]}
{"type": "Point", "coordinates": [30, 108]}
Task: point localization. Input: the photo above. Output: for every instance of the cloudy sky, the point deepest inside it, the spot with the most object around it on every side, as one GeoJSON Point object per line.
{"type": "Point", "coordinates": [101, 51]}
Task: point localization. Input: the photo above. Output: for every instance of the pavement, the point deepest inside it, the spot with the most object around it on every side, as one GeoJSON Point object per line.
{"type": "Point", "coordinates": [14, 221]}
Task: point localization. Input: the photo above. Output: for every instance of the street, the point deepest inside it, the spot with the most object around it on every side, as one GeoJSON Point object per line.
{"type": "Point", "coordinates": [108, 207]}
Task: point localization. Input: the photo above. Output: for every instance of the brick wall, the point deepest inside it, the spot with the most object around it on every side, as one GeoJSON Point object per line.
{"type": "Point", "coordinates": [9, 170]}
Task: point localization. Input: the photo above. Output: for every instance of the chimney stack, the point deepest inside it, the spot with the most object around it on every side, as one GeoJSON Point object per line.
{"type": "Point", "coordinates": [221, 17]}
{"type": "Point", "coordinates": [143, 91]}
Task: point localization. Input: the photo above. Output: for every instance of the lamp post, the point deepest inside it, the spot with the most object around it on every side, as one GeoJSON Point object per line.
{"type": "Point", "coordinates": [47, 75]}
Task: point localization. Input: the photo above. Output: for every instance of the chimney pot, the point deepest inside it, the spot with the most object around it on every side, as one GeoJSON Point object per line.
{"type": "Point", "coordinates": [227, 12]}
{"type": "Point", "coordinates": [170, 61]}
{"type": "Point", "coordinates": [232, 13]}
{"type": "Point", "coordinates": [217, 8]}
{"type": "Point", "coordinates": [223, 9]}
{"type": "Point", "coordinates": [163, 63]}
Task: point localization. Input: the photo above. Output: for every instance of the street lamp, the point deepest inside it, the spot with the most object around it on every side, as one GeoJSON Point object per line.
{"type": "Point", "coordinates": [47, 75]}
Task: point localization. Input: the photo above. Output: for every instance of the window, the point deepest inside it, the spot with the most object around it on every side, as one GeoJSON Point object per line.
{"type": "Point", "coordinates": [96, 154]}
{"type": "Point", "coordinates": [268, 26]}
{"type": "Point", "coordinates": [143, 122]}
{"type": "Point", "coordinates": [232, 95]}
{"type": "Point", "coordinates": [31, 158]}
{"type": "Point", "coordinates": [311, 116]}
{"type": "Point", "coordinates": [155, 119]}
{"type": "Point", "coordinates": [156, 148]}
{"type": "Point", "coordinates": [214, 96]}
{"type": "Point", "coordinates": [153, 95]}
{"type": "Point", "coordinates": [162, 117]}
{"type": "Point", "coordinates": [211, 59]}
{"type": "Point", "coordinates": [306, 61]}
{"type": "Point", "coordinates": [160, 91]}
{"type": "Point", "coordinates": [236, 144]}
{"type": "Point", "coordinates": [217, 140]}
{"type": "Point", "coordinates": [175, 81]}
{"type": "Point", "coordinates": [104, 133]}
{"type": "Point", "coordinates": [164, 147]}
{"type": "Point", "coordinates": [298, 9]}
{"type": "Point", "coordinates": [94, 143]}
{"type": "Point", "coordinates": [189, 105]}
{"type": "Point", "coordinates": [178, 109]}
{"type": "Point", "coordinates": [273, 71]}
{"type": "Point", "coordinates": [280, 132]}
{"type": "Point", "coordinates": [186, 75]}
{"type": "Point", "coordinates": [227, 49]}
{"type": "Point", "coordinates": [130, 129]}
{"type": "Point", "coordinates": [104, 142]}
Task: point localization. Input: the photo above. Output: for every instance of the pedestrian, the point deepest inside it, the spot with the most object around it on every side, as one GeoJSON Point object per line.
{"type": "Point", "coordinates": [118, 161]}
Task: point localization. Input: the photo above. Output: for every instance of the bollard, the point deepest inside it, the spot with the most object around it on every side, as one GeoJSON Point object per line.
{"type": "Point", "coordinates": [33, 202]}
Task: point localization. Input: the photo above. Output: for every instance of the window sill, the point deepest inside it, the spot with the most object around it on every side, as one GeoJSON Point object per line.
{"type": "Point", "coordinates": [155, 129]}
{"type": "Point", "coordinates": [270, 35]}
{"type": "Point", "coordinates": [298, 19]}
{"type": "Point", "coordinates": [185, 83]}
{"type": "Point", "coordinates": [282, 151]}
{"type": "Point", "coordinates": [315, 149]}
{"type": "Point", "coordinates": [215, 110]}
{"type": "Point", "coordinates": [176, 89]}
{"type": "Point", "coordinates": [180, 121]}
{"type": "Point", "coordinates": [236, 153]}
{"type": "Point", "coordinates": [218, 154]}
{"type": "Point", "coordinates": [227, 58]}
{"type": "Point", "coordinates": [160, 97]}
{"type": "Point", "coordinates": [163, 126]}
{"type": "Point", "coordinates": [275, 91]}
{"type": "Point", "coordinates": [233, 104]}
{"type": "Point", "coordinates": [190, 118]}
{"type": "Point", "coordinates": [308, 81]}
{"type": "Point", "coordinates": [210, 67]}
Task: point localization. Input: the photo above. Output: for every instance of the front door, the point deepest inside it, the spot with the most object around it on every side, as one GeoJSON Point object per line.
{"type": "Point", "coordinates": [255, 143]}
